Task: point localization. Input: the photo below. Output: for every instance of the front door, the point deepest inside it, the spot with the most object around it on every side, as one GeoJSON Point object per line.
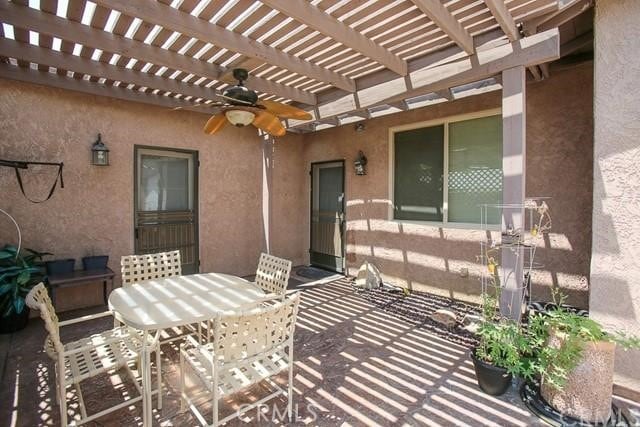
{"type": "Point", "coordinates": [327, 215]}
{"type": "Point", "coordinates": [166, 204]}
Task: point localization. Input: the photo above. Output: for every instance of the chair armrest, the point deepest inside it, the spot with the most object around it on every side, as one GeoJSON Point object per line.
{"type": "Point", "coordinates": [85, 318]}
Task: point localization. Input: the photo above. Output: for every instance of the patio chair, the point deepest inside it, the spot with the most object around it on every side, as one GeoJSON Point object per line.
{"type": "Point", "coordinates": [139, 268]}
{"type": "Point", "coordinates": [272, 274]}
{"type": "Point", "coordinates": [247, 347]}
{"type": "Point", "coordinates": [88, 357]}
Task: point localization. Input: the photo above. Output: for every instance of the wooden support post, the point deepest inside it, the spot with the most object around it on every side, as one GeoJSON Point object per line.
{"type": "Point", "coordinates": [267, 189]}
{"type": "Point", "coordinates": [513, 190]}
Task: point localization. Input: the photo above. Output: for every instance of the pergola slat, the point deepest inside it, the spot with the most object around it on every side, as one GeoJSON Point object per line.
{"type": "Point", "coordinates": [526, 52]}
{"type": "Point", "coordinates": [78, 85]}
{"type": "Point", "coordinates": [78, 64]}
{"type": "Point", "coordinates": [447, 22]}
{"type": "Point", "coordinates": [176, 20]}
{"type": "Point", "coordinates": [46, 23]}
{"type": "Point", "coordinates": [320, 21]}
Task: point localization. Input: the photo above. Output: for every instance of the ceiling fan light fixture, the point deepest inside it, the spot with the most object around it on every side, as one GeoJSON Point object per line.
{"type": "Point", "coordinates": [240, 118]}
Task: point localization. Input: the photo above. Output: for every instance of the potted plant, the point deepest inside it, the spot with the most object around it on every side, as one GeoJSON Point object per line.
{"type": "Point", "coordinates": [503, 351]}
{"type": "Point", "coordinates": [19, 272]}
{"type": "Point", "coordinates": [574, 359]}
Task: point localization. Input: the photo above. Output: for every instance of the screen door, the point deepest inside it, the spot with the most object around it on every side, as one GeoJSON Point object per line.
{"type": "Point", "coordinates": [327, 215]}
{"type": "Point", "coordinates": [166, 201]}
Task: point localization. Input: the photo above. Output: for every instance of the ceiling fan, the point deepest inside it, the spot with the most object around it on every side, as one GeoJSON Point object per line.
{"type": "Point", "coordinates": [242, 107]}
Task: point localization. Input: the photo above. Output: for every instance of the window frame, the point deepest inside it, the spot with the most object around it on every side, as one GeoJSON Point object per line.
{"type": "Point", "coordinates": [445, 196]}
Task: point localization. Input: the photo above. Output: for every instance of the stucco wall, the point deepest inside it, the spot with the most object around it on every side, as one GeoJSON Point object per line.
{"type": "Point", "coordinates": [615, 264]}
{"type": "Point", "coordinates": [559, 165]}
{"type": "Point", "coordinates": [94, 212]}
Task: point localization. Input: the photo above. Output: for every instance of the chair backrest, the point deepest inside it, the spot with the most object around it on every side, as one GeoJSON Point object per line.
{"type": "Point", "coordinates": [260, 330]}
{"type": "Point", "coordinates": [272, 274]}
{"type": "Point", "coordinates": [138, 268]}
{"type": "Point", "coordinates": [38, 299]}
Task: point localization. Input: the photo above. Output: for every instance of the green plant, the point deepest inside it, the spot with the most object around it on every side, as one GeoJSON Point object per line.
{"type": "Point", "coordinates": [572, 332]}
{"type": "Point", "coordinates": [19, 272]}
{"type": "Point", "coordinates": [504, 343]}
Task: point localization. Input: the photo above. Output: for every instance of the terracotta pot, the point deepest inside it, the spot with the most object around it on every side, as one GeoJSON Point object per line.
{"type": "Point", "coordinates": [587, 392]}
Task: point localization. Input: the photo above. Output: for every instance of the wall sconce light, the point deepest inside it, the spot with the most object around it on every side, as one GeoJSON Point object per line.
{"type": "Point", "coordinates": [99, 153]}
{"type": "Point", "coordinates": [359, 127]}
{"type": "Point", "coordinates": [360, 164]}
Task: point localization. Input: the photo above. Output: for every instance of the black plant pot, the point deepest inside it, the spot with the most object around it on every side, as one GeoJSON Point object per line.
{"type": "Point", "coordinates": [60, 266]}
{"type": "Point", "coordinates": [14, 322]}
{"type": "Point", "coordinates": [491, 379]}
{"type": "Point", "coordinates": [97, 262]}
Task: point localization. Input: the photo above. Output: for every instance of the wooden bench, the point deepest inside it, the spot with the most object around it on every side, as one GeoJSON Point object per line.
{"type": "Point", "coordinates": [80, 277]}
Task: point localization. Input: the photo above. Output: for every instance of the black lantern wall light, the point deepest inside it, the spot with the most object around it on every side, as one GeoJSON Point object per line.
{"type": "Point", "coordinates": [360, 164]}
{"type": "Point", "coordinates": [99, 153]}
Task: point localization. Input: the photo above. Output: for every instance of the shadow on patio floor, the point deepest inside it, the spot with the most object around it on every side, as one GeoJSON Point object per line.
{"type": "Point", "coordinates": [356, 364]}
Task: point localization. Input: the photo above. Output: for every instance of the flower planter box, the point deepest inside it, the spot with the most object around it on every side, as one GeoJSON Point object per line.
{"type": "Point", "coordinates": [60, 266]}
{"type": "Point", "coordinates": [97, 262]}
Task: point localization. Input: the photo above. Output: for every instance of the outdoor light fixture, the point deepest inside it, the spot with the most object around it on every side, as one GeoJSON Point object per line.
{"type": "Point", "coordinates": [359, 127]}
{"type": "Point", "coordinates": [240, 118]}
{"type": "Point", "coordinates": [360, 164]}
{"type": "Point", "coordinates": [99, 153]}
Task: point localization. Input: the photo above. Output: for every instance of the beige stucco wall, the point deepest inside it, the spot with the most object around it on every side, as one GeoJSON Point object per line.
{"type": "Point", "coordinates": [559, 165]}
{"type": "Point", "coordinates": [615, 264]}
{"type": "Point", "coordinates": [94, 212]}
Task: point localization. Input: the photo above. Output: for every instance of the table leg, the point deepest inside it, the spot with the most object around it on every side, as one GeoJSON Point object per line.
{"type": "Point", "coordinates": [146, 380]}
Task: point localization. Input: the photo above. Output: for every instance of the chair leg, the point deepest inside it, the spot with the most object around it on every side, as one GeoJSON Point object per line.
{"type": "Point", "coordinates": [290, 385]}
{"type": "Point", "coordinates": [214, 394]}
{"type": "Point", "coordinates": [159, 377]}
{"type": "Point", "coordinates": [57, 388]}
{"type": "Point", "coordinates": [183, 403]}
{"type": "Point", "coordinates": [63, 402]}
{"type": "Point", "coordinates": [83, 408]}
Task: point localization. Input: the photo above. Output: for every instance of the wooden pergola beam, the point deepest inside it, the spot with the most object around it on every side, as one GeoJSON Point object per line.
{"type": "Point", "coordinates": [560, 16]}
{"type": "Point", "coordinates": [52, 25]}
{"type": "Point", "coordinates": [439, 14]}
{"type": "Point", "coordinates": [45, 78]}
{"type": "Point", "coordinates": [176, 20]}
{"type": "Point", "coordinates": [527, 52]}
{"type": "Point", "coordinates": [508, 25]}
{"type": "Point", "coordinates": [324, 23]}
{"type": "Point", "coordinates": [48, 57]}
{"type": "Point", "coordinates": [503, 17]}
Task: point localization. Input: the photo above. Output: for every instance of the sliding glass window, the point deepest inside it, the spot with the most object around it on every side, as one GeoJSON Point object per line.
{"type": "Point", "coordinates": [468, 153]}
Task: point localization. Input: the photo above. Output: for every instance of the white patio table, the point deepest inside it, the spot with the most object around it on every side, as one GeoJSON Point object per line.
{"type": "Point", "coordinates": [177, 301]}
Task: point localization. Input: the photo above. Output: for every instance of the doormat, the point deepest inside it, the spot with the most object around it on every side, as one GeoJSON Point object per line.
{"type": "Point", "coordinates": [313, 273]}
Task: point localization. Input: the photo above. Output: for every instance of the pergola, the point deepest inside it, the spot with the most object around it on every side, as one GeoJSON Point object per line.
{"type": "Point", "coordinates": [342, 60]}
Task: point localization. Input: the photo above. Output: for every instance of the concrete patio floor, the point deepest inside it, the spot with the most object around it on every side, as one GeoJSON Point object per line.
{"type": "Point", "coordinates": [357, 363]}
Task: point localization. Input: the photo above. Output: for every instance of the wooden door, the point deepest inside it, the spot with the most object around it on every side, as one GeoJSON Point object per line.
{"type": "Point", "coordinates": [327, 215]}
{"type": "Point", "coordinates": [166, 204]}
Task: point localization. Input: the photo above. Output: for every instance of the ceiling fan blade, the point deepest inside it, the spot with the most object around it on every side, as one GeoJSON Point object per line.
{"type": "Point", "coordinates": [215, 123]}
{"type": "Point", "coordinates": [269, 123]}
{"type": "Point", "coordinates": [285, 111]}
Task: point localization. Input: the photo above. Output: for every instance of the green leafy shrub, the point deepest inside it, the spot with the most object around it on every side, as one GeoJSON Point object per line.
{"type": "Point", "coordinates": [555, 362]}
{"type": "Point", "coordinates": [19, 273]}
{"type": "Point", "coordinates": [504, 343]}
